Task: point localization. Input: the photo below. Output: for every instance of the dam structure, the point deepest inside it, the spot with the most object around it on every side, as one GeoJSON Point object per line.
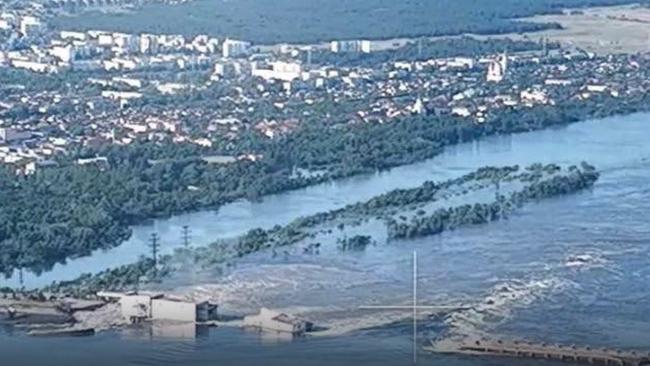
{"type": "Point", "coordinates": [570, 354]}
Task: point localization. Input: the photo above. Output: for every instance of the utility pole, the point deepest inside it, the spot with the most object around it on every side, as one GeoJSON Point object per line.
{"type": "Point", "coordinates": [21, 277]}
{"type": "Point", "coordinates": [154, 244]}
{"type": "Point", "coordinates": [186, 236]}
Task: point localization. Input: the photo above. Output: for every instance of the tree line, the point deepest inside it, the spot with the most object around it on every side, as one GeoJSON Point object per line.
{"type": "Point", "coordinates": [451, 218]}
{"type": "Point", "coordinates": [69, 211]}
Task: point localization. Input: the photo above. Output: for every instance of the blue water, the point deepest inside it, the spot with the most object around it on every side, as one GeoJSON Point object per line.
{"type": "Point", "coordinates": [576, 269]}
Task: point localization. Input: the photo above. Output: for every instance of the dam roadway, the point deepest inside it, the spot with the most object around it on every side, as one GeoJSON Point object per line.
{"type": "Point", "coordinates": [571, 354]}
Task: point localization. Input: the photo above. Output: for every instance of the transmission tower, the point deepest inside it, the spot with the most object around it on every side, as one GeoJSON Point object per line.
{"type": "Point", "coordinates": [154, 244]}
{"type": "Point", "coordinates": [186, 236]}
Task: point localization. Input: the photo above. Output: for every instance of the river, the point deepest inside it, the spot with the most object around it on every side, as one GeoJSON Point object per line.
{"type": "Point", "coordinates": [572, 270]}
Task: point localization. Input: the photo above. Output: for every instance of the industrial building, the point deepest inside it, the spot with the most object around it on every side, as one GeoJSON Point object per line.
{"type": "Point", "coordinates": [157, 306]}
{"type": "Point", "coordinates": [270, 320]}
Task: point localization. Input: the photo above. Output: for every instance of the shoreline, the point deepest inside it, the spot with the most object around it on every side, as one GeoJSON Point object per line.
{"type": "Point", "coordinates": [644, 108]}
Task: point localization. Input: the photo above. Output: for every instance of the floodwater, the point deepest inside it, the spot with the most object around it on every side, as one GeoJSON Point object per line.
{"type": "Point", "coordinates": [572, 270]}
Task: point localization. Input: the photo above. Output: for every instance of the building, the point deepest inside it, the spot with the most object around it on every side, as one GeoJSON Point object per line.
{"type": "Point", "coordinates": [33, 166]}
{"type": "Point", "coordinates": [65, 54]}
{"type": "Point", "coordinates": [7, 21]}
{"type": "Point", "coordinates": [233, 48]}
{"type": "Point", "coordinates": [125, 43]}
{"type": "Point", "coordinates": [226, 69]}
{"type": "Point", "coordinates": [418, 107]}
{"type": "Point", "coordinates": [279, 70]}
{"type": "Point", "coordinates": [148, 44]}
{"type": "Point", "coordinates": [9, 134]}
{"type": "Point", "coordinates": [497, 69]}
{"type": "Point", "coordinates": [533, 96]}
{"type": "Point", "coordinates": [179, 310]}
{"type": "Point", "coordinates": [596, 88]}
{"type": "Point", "coordinates": [460, 63]}
{"type": "Point", "coordinates": [115, 94]}
{"type": "Point", "coordinates": [171, 42]}
{"type": "Point", "coordinates": [130, 82]}
{"type": "Point", "coordinates": [558, 82]}
{"type": "Point", "coordinates": [29, 26]}
{"type": "Point", "coordinates": [135, 307]}
{"type": "Point", "coordinates": [358, 46]}
{"type": "Point", "coordinates": [156, 306]}
{"type": "Point", "coordinates": [78, 36]}
{"type": "Point", "coordinates": [39, 67]}
{"type": "Point", "coordinates": [105, 39]}
{"type": "Point", "coordinates": [274, 321]}
{"type": "Point", "coordinates": [171, 88]}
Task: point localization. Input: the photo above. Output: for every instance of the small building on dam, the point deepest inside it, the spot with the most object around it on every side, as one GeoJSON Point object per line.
{"type": "Point", "coordinates": [157, 306]}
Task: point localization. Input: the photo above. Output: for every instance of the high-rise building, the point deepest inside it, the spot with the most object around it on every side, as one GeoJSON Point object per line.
{"type": "Point", "coordinates": [125, 43]}
{"type": "Point", "coordinates": [234, 48]}
{"type": "Point", "coordinates": [148, 43]}
{"type": "Point", "coordinates": [29, 25]}
{"type": "Point", "coordinates": [497, 69]}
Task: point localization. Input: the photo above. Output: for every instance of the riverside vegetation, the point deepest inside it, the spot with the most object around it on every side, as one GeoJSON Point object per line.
{"type": "Point", "coordinates": [513, 186]}
{"type": "Point", "coordinates": [72, 210]}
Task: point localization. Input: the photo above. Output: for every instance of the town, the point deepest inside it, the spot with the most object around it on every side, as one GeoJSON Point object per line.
{"type": "Point", "coordinates": [320, 182]}
{"type": "Point", "coordinates": [107, 88]}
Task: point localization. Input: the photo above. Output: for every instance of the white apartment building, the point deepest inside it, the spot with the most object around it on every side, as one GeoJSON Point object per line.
{"type": "Point", "coordinates": [234, 48]}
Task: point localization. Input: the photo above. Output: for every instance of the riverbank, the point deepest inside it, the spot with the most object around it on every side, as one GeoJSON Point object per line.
{"type": "Point", "coordinates": [584, 254]}
{"type": "Point", "coordinates": [137, 194]}
{"type": "Point", "coordinates": [512, 187]}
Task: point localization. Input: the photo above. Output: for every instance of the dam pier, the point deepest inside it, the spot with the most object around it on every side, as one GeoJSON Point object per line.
{"type": "Point", "coordinates": [570, 354]}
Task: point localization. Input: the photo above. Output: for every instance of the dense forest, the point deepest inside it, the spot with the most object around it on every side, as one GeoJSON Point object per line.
{"type": "Point", "coordinates": [482, 213]}
{"type": "Point", "coordinates": [72, 210]}
{"type": "Point", "coordinates": [310, 21]}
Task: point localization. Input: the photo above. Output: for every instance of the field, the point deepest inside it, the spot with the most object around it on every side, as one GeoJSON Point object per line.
{"type": "Point", "coordinates": [601, 30]}
{"type": "Point", "coordinates": [313, 21]}
{"type": "Point", "coordinates": [623, 29]}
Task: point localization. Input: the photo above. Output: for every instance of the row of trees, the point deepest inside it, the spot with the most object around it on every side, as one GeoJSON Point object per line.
{"type": "Point", "coordinates": [306, 228]}
{"type": "Point", "coordinates": [574, 180]}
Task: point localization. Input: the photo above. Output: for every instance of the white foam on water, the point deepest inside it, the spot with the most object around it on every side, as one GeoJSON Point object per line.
{"type": "Point", "coordinates": [328, 296]}
{"type": "Point", "coordinates": [496, 308]}
{"type": "Point", "coordinates": [293, 288]}
{"type": "Point", "coordinates": [331, 297]}
{"type": "Point", "coordinates": [586, 261]}
{"type": "Point", "coordinates": [478, 322]}
{"type": "Point", "coordinates": [355, 320]}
